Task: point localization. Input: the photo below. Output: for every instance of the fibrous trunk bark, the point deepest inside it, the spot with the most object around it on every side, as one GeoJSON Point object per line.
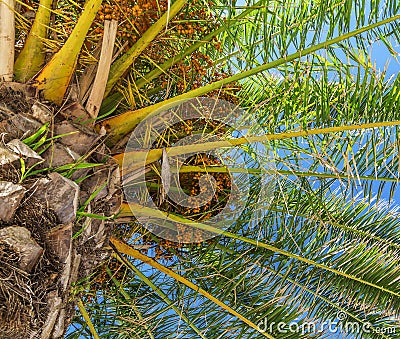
{"type": "Point", "coordinates": [40, 258]}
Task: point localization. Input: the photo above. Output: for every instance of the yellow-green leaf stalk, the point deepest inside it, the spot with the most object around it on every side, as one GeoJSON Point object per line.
{"type": "Point", "coordinates": [55, 77]}
{"type": "Point", "coordinates": [160, 69]}
{"type": "Point", "coordinates": [135, 159]}
{"type": "Point", "coordinates": [120, 125]}
{"type": "Point", "coordinates": [87, 319]}
{"type": "Point", "coordinates": [32, 56]}
{"type": "Point", "coordinates": [256, 171]}
{"type": "Point", "coordinates": [197, 45]}
{"type": "Point", "coordinates": [159, 292]}
{"type": "Point", "coordinates": [126, 211]}
{"type": "Point", "coordinates": [123, 63]}
{"type": "Point", "coordinates": [128, 250]}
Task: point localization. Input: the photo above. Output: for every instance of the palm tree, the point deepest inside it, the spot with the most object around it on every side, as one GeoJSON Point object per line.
{"type": "Point", "coordinates": [316, 243]}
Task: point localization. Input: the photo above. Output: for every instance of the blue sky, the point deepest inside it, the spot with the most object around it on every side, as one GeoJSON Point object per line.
{"type": "Point", "coordinates": [382, 57]}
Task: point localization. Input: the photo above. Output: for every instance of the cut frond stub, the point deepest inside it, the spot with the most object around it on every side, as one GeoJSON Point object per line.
{"type": "Point", "coordinates": [103, 69]}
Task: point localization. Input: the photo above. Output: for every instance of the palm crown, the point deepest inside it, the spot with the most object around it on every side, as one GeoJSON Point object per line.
{"type": "Point", "coordinates": [323, 245]}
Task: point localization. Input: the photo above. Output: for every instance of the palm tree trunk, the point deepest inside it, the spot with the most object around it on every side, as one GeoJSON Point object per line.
{"type": "Point", "coordinates": [7, 39]}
